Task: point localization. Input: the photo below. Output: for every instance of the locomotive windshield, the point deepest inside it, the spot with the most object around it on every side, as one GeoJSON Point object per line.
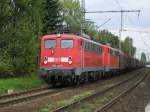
{"type": "Point", "coordinates": [66, 43]}
{"type": "Point", "coordinates": [50, 43]}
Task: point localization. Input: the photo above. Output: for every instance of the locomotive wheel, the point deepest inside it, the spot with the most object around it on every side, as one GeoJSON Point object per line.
{"type": "Point", "coordinates": [92, 76]}
{"type": "Point", "coordinates": [97, 76]}
{"type": "Point", "coordinates": [66, 81]}
{"type": "Point", "coordinates": [62, 82]}
{"type": "Point", "coordinates": [72, 83]}
{"type": "Point", "coordinates": [78, 80]}
{"type": "Point", "coordinates": [104, 75]}
{"type": "Point", "coordinates": [53, 81]}
{"type": "Point", "coordinates": [110, 74]}
{"type": "Point", "coordinates": [101, 74]}
{"type": "Point", "coordinates": [86, 77]}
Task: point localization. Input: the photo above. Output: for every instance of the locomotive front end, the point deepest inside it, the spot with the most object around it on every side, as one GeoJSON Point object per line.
{"type": "Point", "coordinates": [58, 58]}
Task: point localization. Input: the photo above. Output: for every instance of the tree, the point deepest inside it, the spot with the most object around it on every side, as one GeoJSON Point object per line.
{"type": "Point", "coordinates": [127, 46]}
{"type": "Point", "coordinates": [52, 19]}
{"type": "Point", "coordinates": [71, 12]}
{"type": "Point", "coordinates": [107, 37]}
{"type": "Point", "coordinates": [143, 57]}
{"type": "Point", "coordinates": [21, 25]}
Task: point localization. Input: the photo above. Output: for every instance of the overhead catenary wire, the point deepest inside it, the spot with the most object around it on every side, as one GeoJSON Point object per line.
{"type": "Point", "coordinates": [140, 32]}
{"type": "Point", "coordinates": [121, 20]}
{"type": "Point", "coordinates": [104, 22]}
{"type": "Point", "coordinates": [117, 2]}
{"type": "Point", "coordinates": [109, 11]}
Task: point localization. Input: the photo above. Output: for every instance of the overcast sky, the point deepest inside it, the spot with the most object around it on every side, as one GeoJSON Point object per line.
{"type": "Point", "coordinates": [139, 27]}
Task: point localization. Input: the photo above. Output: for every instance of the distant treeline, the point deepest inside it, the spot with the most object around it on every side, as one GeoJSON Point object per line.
{"type": "Point", "coordinates": [22, 22]}
{"type": "Point", "coordinates": [147, 63]}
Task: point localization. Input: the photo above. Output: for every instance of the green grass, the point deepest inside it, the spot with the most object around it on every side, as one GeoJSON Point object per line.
{"type": "Point", "coordinates": [20, 84]}
{"type": "Point", "coordinates": [72, 99]}
{"type": "Point", "coordinates": [76, 98]}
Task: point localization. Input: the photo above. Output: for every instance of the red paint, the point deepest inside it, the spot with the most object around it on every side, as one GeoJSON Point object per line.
{"type": "Point", "coordinates": [82, 57]}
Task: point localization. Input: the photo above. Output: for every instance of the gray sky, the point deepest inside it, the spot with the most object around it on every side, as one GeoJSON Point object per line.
{"type": "Point", "coordinates": [139, 27]}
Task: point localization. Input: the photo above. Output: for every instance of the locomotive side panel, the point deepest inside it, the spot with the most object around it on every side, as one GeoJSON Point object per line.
{"type": "Point", "coordinates": [111, 59]}
{"type": "Point", "coordinates": [93, 56]}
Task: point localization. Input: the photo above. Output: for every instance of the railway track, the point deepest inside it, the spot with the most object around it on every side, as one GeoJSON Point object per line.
{"type": "Point", "coordinates": [108, 105]}
{"type": "Point", "coordinates": [7, 96]}
{"type": "Point", "coordinates": [20, 97]}
{"type": "Point", "coordinates": [139, 79]}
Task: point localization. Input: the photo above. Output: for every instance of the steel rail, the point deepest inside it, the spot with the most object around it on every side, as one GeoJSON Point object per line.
{"type": "Point", "coordinates": [117, 98]}
{"type": "Point", "coordinates": [17, 94]}
{"type": "Point", "coordinates": [62, 109]}
{"type": "Point", "coordinates": [25, 98]}
{"type": "Point", "coordinates": [20, 97]}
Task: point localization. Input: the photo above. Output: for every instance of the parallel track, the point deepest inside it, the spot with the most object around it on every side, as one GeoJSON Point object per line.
{"type": "Point", "coordinates": [21, 97]}
{"type": "Point", "coordinates": [63, 108]}
{"type": "Point", "coordinates": [7, 96]}
{"type": "Point", "coordinates": [117, 98]}
{"type": "Point", "coordinates": [12, 99]}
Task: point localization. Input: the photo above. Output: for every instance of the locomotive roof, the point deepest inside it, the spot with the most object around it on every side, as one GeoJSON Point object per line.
{"type": "Point", "coordinates": [79, 37]}
{"type": "Point", "coordinates": [89, 40]}
{"type": "Point", "coordinates": [70, 36]}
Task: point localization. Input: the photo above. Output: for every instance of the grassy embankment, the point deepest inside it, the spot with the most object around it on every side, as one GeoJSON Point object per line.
{"type": "Point", "coordinates": [20, 83]}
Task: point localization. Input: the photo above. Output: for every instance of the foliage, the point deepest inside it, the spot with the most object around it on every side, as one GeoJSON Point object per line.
{"type": "Point", "coordinates": [21, 23]}
{"type": "Point", "coordinates": [20, 84]}
{"type": "Point", "coordinates": [107, 37]}
{"type": "Point", "coordinates": [143, 57]}
{"type": "Point", "coordinates": [72, 19]}
{"type": "Point", "coordinates": [147, 63]}
{"type": "Point", "coordinates": [70, 100]}
{"type": "Point", "coordinates": [127, 46]}
{"type": "Point", "coordinates": [52, 16]}
{"type": "Point", "coordinates": [71, 12]}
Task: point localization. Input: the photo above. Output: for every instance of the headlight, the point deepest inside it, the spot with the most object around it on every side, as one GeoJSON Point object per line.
{"type": "Point", "coordinates": [70, 60]}
{"type": "Point", "coordinates": [45, 60]}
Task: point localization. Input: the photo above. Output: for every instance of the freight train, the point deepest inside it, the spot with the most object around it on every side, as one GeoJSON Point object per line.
{"type": "Point", "coordinates": [71, 58]}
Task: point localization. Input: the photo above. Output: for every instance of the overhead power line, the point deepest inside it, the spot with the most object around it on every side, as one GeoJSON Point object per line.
{"type": "Point", "coordinates": [118, 3]}
{"type": "Point", "coordinates": [104, 22]}
{"type": "Point", "coordinates": [140, 31]}
{"type": "Point", "coordinates": [121, 21]}
{"type": "Point", "coordinates": [106, 11]}
{"type": "Point", "coordinates": [112, 11]}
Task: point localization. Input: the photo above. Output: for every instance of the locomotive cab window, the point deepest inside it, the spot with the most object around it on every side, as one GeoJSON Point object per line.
{"type": "Point", "coordinates": [50, 44]}
{"type": "Point", "coordinates": [100, 50]}
{"type": "Point", "coordinates": [66, 43]}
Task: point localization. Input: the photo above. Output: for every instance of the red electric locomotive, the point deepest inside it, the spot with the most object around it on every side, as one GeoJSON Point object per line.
{"type": "Point", "coordinates": [70, 58]}
{"type": "Point", "coordinates": [111, 60]}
